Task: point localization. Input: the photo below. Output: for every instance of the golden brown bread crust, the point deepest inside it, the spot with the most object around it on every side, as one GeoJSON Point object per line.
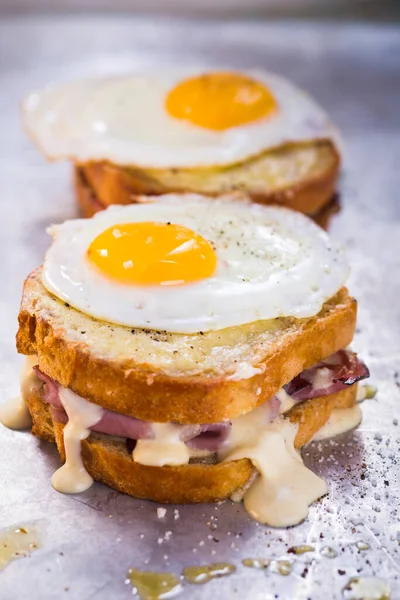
{"type": "Point", "coordinates": [323, 217]}
{"type": "Point", "coordinates": [147, 392]}
{"type": "Point", "coordinates": [89, 204]}
{"type": "Point", "coordinates": [109, 461]}
{"type": "Point", "coordinates": [264, 182]}
{"type": "Point", "coordinates": [42, 422]}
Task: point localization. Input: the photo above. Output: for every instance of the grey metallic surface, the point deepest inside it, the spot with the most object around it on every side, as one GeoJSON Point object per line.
{"type": "Point", "coordinates": [90, 540]}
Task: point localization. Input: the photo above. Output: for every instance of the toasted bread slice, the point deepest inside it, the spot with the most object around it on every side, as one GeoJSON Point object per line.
{"type": "Point", "coordinates": [160, 376]}
{"type": "Point", "coordinates": [299, 176]}
{"type": "Point", "coordinates": [109, 461]}
{"type": "Point", "coordinates": [324, 215]}
{"type": "Point", "coordinates": [89, 204]}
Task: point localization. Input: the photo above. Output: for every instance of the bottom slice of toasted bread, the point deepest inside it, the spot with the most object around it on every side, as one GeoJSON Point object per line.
{"type": "Point", "coordinates": [89, 202]}
{"type": "Point", "coordinates": [109, 461]}
{"type": "Point", "coordinates": [301, 176]}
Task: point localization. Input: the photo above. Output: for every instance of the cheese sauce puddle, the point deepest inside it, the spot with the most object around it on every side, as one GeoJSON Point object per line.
{"type": "Point", "coordinates": [366, 588]}
{"type": "Point", "coordinates": [153, 585]}
{"type": "Point", "coordinates": [340, 421]}
{"type": "Point", "coordinates": [17, 542]}
{"type": "Point", "coordinates": [203, 574]}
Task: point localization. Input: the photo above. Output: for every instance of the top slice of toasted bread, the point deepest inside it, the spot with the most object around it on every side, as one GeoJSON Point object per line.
{"type": "Point", "coordinates": [300, 176]}
{"type": "Point", "coordinates": [160, 376]}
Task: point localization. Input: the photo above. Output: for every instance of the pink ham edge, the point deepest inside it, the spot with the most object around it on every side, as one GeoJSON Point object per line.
{"type": "Point", "coordinates": [111, 422]}
{"type": "Point", "coordinates": [344, 366]}
{"type": "Point", "coordinates": [345, 369]}
{"type": "Point", "coordinates": [211, 437]}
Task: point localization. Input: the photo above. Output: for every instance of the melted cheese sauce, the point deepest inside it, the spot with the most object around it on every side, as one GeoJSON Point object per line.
{"type": "Point", "coordinates": [166, 448]}
{"type": "Point", "coordinates": [285, 488]}
{"type": "Point", "coordinates": [340, 421]}
{"type": "Point", "coordinates": [286, 401]}
{"type": "Point", "coordinates": [14, 413]}
{"type": "Point", "coordinates": [244, 370]}
{"type": "Point", "coordinates": [72, 477]}
{"type": "Point", "coordinates": [322, 378]}
{"type": "Point", "coordinates": [279, 496]}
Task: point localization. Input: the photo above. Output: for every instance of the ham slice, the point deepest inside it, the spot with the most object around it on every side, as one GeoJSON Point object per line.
{"type": "Point", "coordinates": [331, 375]}
{"type": "Point", "coordinates": [111, 422]}
{"type": "Point", "coordinates": [211, 437]}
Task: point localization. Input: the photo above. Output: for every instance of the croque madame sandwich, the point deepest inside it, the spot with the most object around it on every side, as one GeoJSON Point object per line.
{"type": "Point", "coordinates": [185, 350]}
{"type": "Point", "coordinates": [189, 131]}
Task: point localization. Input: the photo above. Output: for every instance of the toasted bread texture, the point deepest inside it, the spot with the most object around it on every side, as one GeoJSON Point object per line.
{"type": "Point", "coordinates": [160, 376]}
{"type": "Point", "coordinates": [89, 204]}
{"type": "Point", "coordinates": [299, 176]}
{"type": "Point", "coordinates": [109, 461]}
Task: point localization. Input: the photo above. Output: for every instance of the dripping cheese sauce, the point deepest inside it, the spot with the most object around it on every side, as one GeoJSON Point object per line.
{"type": "Point", "coordinates": [279, 496]}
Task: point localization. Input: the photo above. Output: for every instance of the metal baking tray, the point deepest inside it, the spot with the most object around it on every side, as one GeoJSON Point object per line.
{"type": "Point", "coordinates": [88, 542]}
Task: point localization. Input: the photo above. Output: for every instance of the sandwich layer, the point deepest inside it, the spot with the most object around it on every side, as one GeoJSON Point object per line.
{"type": "Point", "coordinates": [300, 176]}
{"type": "Point", "coordinates": [160, 377]}
{"type": "Point", "coordinates": [89, 204]}
{"type": "Point", "coordinates": [109, 460]}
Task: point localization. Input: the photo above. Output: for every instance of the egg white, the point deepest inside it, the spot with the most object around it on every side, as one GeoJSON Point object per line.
{"type": "Point", "coordinates": [123, 120]}
{"type": "Point", "coordinates": [271, 262]}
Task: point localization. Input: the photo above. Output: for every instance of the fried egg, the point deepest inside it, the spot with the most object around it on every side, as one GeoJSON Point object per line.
{"type": "Point", "coordinates": [188, 264]}
{"type": "Point", "coordinates": [173, 119]}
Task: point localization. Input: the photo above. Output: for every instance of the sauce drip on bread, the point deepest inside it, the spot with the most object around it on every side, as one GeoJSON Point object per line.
{"type": "Point", "coordinates": [282, 487]}
{"type": "Point", "coordinates": [14, 413]}
{"type": "Point", "coordinates": [72, 477]}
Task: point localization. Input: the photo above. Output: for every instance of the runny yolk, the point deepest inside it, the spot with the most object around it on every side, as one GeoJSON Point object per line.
{"type": "Point", "coordinates": [150, 253]}
{"type": "Point", "coordinates": [220, 100]}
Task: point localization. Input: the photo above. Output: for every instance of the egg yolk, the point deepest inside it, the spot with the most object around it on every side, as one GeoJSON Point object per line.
{"type": "Point", "coordinates": [149, 253]}
{"type": "Point", "coordinates": [219, 101]}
